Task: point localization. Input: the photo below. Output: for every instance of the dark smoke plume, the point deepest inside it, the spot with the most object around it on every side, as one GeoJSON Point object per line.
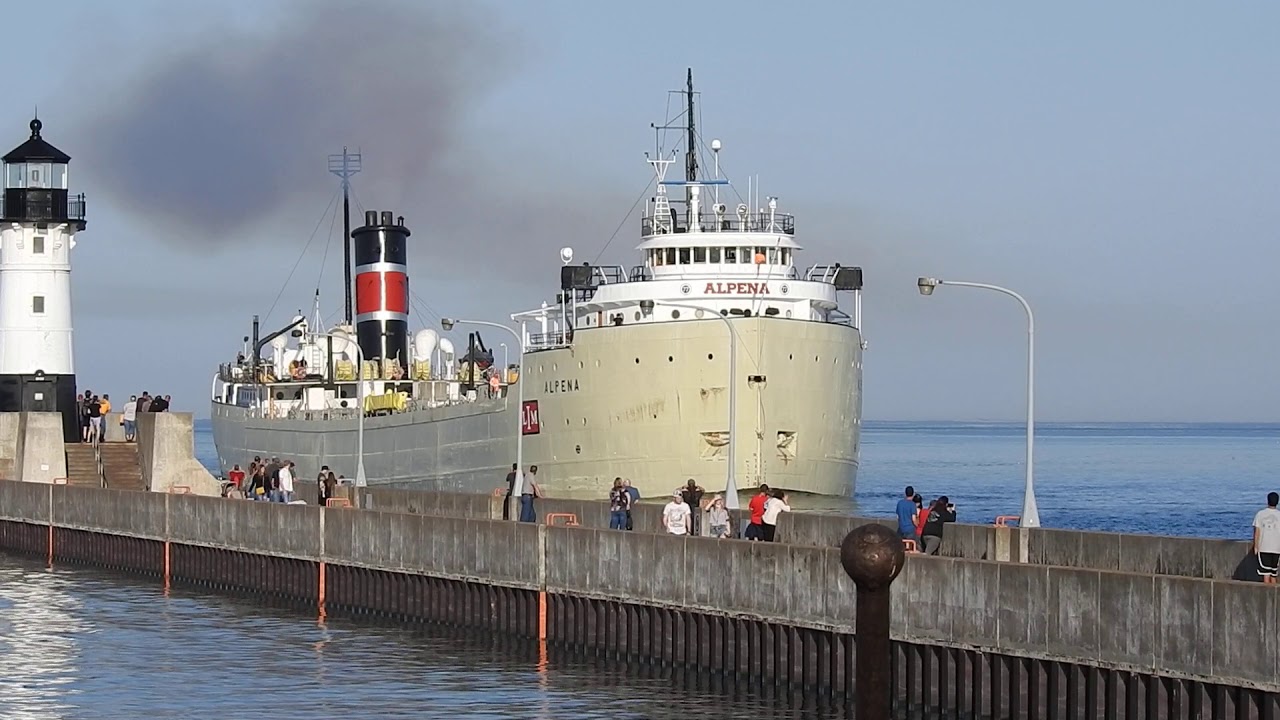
{"type": "Point", "coordinates": [236, 125]}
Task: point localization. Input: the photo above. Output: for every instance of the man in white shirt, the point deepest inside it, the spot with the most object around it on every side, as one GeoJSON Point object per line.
{"type": "Point", "coordinates": [676, 515]}
{"type": "Point", "coordinates": [286, 483]}
{"type": "Point", "coordinates": [1266, 539]}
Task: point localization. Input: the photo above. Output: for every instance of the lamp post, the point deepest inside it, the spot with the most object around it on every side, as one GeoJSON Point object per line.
{"type": "Point", "coordinates": [730, 483]}
{"type": "Point", "coordinates": [361, 481]}
{"type": "Point", "coordinates": [447, 324]}
{"type": "Point", "coordinates": [1030, 513]}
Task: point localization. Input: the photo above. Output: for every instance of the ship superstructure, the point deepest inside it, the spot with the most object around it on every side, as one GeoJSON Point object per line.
{"type": "Point", "coordinates": [716, 357]}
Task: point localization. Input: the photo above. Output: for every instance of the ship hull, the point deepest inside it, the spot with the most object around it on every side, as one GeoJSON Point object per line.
{"type": "Point", "coordinates": [647, 402]}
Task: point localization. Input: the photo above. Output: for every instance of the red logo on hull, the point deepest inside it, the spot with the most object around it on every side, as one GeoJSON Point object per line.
{"type": "Point", "coordinates": [529, 422]}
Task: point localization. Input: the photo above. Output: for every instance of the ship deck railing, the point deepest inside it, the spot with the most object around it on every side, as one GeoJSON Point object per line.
{"type": "Point", "coordinates": [285, 410]}
{"type": "Point", "coordinates": [774, 222]}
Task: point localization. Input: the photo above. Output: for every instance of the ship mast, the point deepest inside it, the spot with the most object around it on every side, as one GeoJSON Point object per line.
{"type": "Point", "coordinates": [345, 166]}
{"type": "Point", "coordinates": [691, 150]}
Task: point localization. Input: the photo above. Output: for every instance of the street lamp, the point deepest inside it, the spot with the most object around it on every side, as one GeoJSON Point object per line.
{"type": "Point", "coordinates": [1030, 513]}
{"type": "Point", "coordinates": [730, 483]}
{"type": "Point", "coordinates": [361, 481]}
{"type": "Point", "coordinates": [447, 324]}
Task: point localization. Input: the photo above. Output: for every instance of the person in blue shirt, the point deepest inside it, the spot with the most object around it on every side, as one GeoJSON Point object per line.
{"type": "Point", "coordinates": [906, 511]}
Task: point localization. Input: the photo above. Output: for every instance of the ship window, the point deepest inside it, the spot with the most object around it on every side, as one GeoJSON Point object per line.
{"type": "Point", "coordinates": [37, 304]}
{"type": "Point", "coordinates": [37, 244]}
{"type": "Point", "coordinates": [786, 256]}
{"type": "Point", "coordinates": [715, 254]}
{"type": "Point", "coordinates": [773, 256]}
{"type": "Point", "coordinates": [671, 256]}
{"type": "Point", "coordinates": [684, 256]}
{"type": "Point", "coordinates": [699, 255]}
{"type": "Point", "coordinates": [744, 255]}
{"type": "Point", "coordinates": [731, 255]}
{"type": "Point", "coordinates": [657, 258]}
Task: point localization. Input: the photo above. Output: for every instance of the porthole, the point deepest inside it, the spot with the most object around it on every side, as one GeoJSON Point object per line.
{"type": "Point", "coordinates": [566, 421]}
{"type": "Point", "coordinates": [637, 316]}
{"type": "Point", "coordinates": [597, 363]}
{"type": "Point", "coordinates": [675, 314]}
{"type": "Point", "coordinates": [710, 356]}
{"type": "Point", "coordinates": [555, 367]}
{"type": "Point", "coordinates": [791, 356]}
{"type": "Point", "coordinates": [724, 312]}
{"type": "Point", "coordinates": [788, 313]}
{"type": "Point", "coordinates": [815, 358]}
{"type": "Point", "coordinates": [580, 364]}
{"type": "Point", "coordinates": [637, 361]}
{"type": "Point", "coordinates": [577, 449]}
{"type": "Point", "coordinates": [671, 358]}
{"type": "Point", "coordinates": [584, 422]}
{"type": "Point", "coordinates": [698, 314]}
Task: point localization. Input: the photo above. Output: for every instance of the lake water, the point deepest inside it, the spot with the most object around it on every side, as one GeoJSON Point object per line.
{"type": "Point", "coordinates": [87, 644]}
{"type": "Point", "coordinates": [1168, 479]}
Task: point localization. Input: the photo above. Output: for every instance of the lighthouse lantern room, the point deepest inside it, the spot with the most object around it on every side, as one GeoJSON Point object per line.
{"type": "Point", "coordinates": [38, 225]}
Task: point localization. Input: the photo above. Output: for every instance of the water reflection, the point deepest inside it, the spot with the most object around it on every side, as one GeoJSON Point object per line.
{"type": "Point", "coordinates": [86, 644]}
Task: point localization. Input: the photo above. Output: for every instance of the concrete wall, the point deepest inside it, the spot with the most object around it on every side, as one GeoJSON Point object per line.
{"type": "Point", "coordinates": [166, 451]}
{"type": "Point", "coordinates": [1221, 631]}
{"type": "Point", "coordinates": [9, 424]}
{"type": "Point", "coordinates": [40, 454]}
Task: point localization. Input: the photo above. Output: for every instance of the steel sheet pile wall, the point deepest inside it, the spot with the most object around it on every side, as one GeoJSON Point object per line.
{"type": "Point", "coordinates": [970, 635]}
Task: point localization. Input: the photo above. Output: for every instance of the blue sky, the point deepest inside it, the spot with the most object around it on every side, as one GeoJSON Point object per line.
{"type": "Point", "coordinates": [1115, 164]}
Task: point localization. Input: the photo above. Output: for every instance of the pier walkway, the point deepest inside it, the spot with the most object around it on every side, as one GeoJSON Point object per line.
{"type": "Point", "coordinates": [971, 636]}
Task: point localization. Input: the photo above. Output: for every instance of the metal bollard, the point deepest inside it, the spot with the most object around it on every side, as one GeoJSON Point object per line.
{"type": "Point", "coordinates": [873, 556]}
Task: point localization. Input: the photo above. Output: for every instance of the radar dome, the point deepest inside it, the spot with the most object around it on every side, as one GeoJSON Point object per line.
{"type": "Point", "coordinates": [566, 255]}
{"type": "Point", "coordinates": [446, 346]}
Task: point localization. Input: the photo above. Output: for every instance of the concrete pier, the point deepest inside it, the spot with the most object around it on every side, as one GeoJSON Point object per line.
{"type": "Point", "coordinates": [968, 634]}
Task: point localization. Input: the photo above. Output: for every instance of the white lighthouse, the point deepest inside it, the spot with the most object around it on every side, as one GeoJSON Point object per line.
{"type": "Point", "coordinates": [38, 225]}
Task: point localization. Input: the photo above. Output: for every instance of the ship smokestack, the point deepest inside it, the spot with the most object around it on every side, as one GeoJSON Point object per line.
{"type": "Point", "coordinates": [382, 288]}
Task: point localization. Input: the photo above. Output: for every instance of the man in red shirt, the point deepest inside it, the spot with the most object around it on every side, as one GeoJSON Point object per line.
{"type": "Point", "coordinates": [755, 531]}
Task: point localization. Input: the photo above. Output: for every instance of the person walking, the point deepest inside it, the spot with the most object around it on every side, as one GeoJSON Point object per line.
{"type": "Point", "coordinates": [619, 503]}
{"type": "Point", "coordinates": [906, 511]}
{"type": "Point", "coordinates": [286, 483]}
{"type": "Point", "coordinates": [755, 528]}
{"type": "Point", "coordinates": [528, 492]}
{"type": "Point", "coordinates": [676, 515]}
{"type": "Point", "coordinates": [511, 488]}
{"type": "Point", "coordinates": [774, 507]}
{"type": "Point", "coordinates": [129, 419]}
{"type": "Point", "coordinates": [634, 494]}
{"type": "Point", "coordinates": [1266, 539]}
{"type": "Point", "coordinates": [940, 513]}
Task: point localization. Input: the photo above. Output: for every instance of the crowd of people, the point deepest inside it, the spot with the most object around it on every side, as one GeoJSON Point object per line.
{"type": "Point", "coordinates": [711, 517]}
{"type": "Point", "coordinates": [93, 409]}
{"type": "Point", "coordinates": [922, 525]}
{"type": "Point", "coordinates": [274, 480]}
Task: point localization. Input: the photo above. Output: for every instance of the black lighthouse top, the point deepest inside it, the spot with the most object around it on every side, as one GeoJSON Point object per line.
{"type": "Point", "coordinates": [36, 149]}
{"type": "Point", "coordinates": [35, 184]}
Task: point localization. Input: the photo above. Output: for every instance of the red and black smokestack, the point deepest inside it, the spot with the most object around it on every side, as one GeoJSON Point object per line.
{"type": "Point", "coordinates": [380, 250]}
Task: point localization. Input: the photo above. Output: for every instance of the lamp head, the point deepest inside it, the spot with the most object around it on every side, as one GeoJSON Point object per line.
{"type": "Point", "coordinates": [927, 284]}
{"type": "Point", "coordinates": [646, 307]}
{"type": "Point", "coordinates": [447, 323]}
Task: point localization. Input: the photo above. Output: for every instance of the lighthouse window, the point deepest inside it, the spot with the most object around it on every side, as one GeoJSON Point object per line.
{"type": "Point", "coordinates": [715, 254]}
{"type": "Point", "coordinates": [17, 177]}
{"type": "Point", "coordinates": [700, 255]}
{"type": "Point", "coordinates": [684, 256]}
{"type": "Point", "coordinates": [37, 244]}
{"type": "Point", "coordinates": [37, 304]}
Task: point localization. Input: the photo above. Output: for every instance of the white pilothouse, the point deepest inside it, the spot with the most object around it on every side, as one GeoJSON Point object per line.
{"type": "Point", "coordinates": [715, 358]}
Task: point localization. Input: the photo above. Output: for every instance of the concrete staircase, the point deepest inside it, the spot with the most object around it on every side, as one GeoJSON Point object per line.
{"type": "Point", "coordinates": [82, 466]}
{"type": "Point", "coordinates": [121, 466]}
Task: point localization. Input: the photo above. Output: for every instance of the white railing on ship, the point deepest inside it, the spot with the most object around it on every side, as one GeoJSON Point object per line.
{"type": "Point", "coordinates": [285, 409]}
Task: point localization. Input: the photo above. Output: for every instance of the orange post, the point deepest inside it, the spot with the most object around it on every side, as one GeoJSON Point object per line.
{"type": "Point", "coordinates": [542, 615]}
{"type": "Point", "coordinates": [321, 590]}
{"type": "Point", "coordinates": [180, 489]}
{"type": "Point", "coordinates": [910, 545]}
{"type": "Point", "coordinates": [166, 565]}
{"type": "Point", "coordinates": [570, 520]}
{"type": "Point", "coordinates": [1004, 520]}
{"type": "Point", "coordinates": [336, 502]}
{"type": "Point", "coordinates": [50, 561]}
